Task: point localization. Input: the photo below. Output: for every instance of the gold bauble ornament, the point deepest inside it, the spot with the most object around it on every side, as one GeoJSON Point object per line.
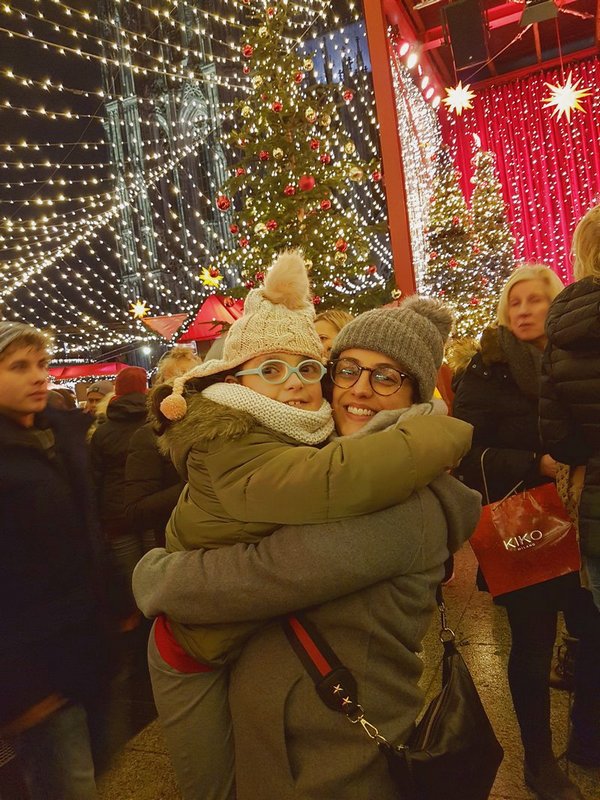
{"type": "Point", "coordinates": [277, 153]}
{"type": "Point", "coordinates": [308, 264]}
{"type": "Point", "coordinates": [340, 258]}
{"type": "Point", "coordinates": [310, 114]}
{"type": "Point", "coordinates": [260, 228]}
{"type": "Point", "coordinates": [325, 120]}
{"type": "Point", "coordinates": [356, 174]}
{"type": "Point", "coordinates": [308, 64]}
{"type": "Point", "coordinates": [257, 81]}
{"type": "Point", "coordinates": [263, 31]}
{"type": "Point", "coordinates": [349, 148]}
{"type": "Point", "coordinates": [246, 112]}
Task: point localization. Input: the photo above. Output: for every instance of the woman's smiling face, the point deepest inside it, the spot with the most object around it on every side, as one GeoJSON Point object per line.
{"type": "Point", "coordinates": [355, 406]}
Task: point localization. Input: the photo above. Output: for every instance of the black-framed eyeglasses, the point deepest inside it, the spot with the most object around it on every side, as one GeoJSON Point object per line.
{"type": "Point", "coordinates": [384, 380]}
{"type": "Point", "coordinates": [276, 371]}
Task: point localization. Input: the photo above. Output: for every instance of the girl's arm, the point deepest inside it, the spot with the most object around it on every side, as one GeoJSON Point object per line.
{"type": "Point", "coordinates": [260, 480]}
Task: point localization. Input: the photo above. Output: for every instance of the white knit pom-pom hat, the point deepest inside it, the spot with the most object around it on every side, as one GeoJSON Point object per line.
{"type": "Point", "coordinates": [278, 318]}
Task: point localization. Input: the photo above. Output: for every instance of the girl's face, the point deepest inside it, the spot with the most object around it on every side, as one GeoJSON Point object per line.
{"type": "Point", "coordinates": [327, 333]}
{"type": "Point", "coordinates": [355, 406]}
{"type": "Point", "coordinates": [292, 392]}
{"type": "Point", "coordinates": [528, 305]}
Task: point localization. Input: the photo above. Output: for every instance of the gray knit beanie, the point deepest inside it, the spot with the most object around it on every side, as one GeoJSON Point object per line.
{"type": "Point", "coordinates": [413, 334]}
{"type": "Point", "coordinates": [11, 331]}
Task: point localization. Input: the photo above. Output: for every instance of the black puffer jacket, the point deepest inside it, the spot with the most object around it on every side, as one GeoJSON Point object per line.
{"type": "Point", "coordinates": [109, 448]}
{"type": "Point", "coordinates": [505, 420]}
{"type": "Point", "coordinates": [570, 396]}
{"type": "Point", "coordinates": [152, 485]}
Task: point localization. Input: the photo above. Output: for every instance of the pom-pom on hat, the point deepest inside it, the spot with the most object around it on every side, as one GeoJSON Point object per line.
{"type": "Point", "coordinates": [413, 334]}
{"type": "Point", "coordinates": [278, 318]}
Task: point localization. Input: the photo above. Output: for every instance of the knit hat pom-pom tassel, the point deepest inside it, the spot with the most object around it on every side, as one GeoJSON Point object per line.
{"type": "Point", "coordinates": [287, 282]}
{"type": "Point", "coordinates": [173, 407]}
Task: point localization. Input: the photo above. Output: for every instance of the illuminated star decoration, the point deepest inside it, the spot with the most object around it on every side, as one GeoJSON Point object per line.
{"type": "Point", "coordinates": [139, 309]}
{"type": "Point", "coordinates": [459, 97]}
{"type": "Point", "coordinates": [210, 278]}
{"type": "Point", "coordinates": [565, 97]}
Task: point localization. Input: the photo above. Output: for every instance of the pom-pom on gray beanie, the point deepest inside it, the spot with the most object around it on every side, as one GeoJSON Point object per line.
{"type": "Point", "coordinates": [413, 334]}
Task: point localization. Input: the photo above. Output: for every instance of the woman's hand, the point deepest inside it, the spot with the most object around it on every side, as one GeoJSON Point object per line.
{"type": "Point", "coordinates": [548, 466]}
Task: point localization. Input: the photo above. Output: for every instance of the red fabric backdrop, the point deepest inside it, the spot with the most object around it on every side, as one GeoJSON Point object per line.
{"type": "Point", "coordinates": [549, 168]}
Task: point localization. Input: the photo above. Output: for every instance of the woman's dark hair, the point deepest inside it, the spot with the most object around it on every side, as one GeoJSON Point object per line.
{"type": "Point", "coordinates": [192, 387]}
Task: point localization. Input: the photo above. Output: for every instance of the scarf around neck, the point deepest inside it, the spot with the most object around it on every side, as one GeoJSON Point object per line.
{"type": "Point", "coordinates": [307, 427]}
{"type": "Point", "coordinates": [524, 361]}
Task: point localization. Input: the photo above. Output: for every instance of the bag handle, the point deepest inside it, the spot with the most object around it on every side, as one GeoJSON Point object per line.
{"type": "Point", "coordinates": [335, 684]}
{"type": "Point", "coordinates": [485, 485]}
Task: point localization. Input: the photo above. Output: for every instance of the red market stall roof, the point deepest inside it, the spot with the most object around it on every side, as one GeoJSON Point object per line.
{"type": "Point", "coordinates": [106, 369]}
{"type": "Point", "coordinates": [214, 310]}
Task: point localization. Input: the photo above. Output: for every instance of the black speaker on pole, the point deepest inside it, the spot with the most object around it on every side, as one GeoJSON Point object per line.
{"type": "Point", "coordinates": [468, 36]}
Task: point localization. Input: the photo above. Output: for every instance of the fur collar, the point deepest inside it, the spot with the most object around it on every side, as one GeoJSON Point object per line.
{"type": "Point", "coordinates": [461, 351]}
{"type": "Point", "coordinates": [204, 420]}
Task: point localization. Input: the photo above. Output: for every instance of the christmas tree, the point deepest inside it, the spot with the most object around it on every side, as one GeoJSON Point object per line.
{"type": "Point", "coordinates": [449, 248]}
{"type": "Point", "coordinates": [493, 242]}
{"type": "Point", "coordinates": [291, 187]}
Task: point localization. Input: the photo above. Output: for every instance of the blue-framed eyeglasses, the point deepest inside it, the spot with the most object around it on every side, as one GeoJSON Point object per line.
{"type": "Point", "coordinates": [275, 371]}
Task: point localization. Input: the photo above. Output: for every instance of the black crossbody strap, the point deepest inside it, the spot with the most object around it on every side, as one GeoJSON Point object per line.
{"type": "Point", "coordinates": [335, 684]}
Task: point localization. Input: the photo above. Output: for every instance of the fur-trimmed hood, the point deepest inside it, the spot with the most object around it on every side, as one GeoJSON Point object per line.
{"type": "Point", "coordinates": [204, 421]}
{"type": "Point", "coordinates": [460, 352]}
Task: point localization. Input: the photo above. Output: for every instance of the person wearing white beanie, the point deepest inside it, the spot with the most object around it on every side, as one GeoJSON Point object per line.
{"type": "Point", "coordinates": [248, 432]}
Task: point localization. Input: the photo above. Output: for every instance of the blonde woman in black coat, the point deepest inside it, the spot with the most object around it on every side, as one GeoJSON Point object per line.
{"type": "Point", "coordinates": [497, 391]}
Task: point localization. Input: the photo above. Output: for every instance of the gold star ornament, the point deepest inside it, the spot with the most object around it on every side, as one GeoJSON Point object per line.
{"type": "Point", "coordinates": [459, 97]}
{"type": "Point", "coordinates": [565, 97]}
{"type": "Point", "coordinates": [139, 309]}
{"type": "Point", "coordinates": [210, 277]}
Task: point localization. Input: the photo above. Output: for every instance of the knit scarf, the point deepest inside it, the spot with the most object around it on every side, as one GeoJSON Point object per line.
{"type": "Point", "coordinates": [524, 361]}
{"type": "Point", "coordinates": [307, 427]}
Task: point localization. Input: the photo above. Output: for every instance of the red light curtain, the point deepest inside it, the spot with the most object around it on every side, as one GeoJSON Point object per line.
{"type": "Point", "coordinates": [549, 168]}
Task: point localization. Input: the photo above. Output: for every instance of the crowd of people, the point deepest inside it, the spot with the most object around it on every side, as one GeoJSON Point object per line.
{"type": "Point", "coordinates": [307, 464]}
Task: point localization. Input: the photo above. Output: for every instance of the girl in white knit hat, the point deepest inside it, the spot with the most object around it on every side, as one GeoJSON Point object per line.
{"type": "Point", "coordinates": [248, 433]}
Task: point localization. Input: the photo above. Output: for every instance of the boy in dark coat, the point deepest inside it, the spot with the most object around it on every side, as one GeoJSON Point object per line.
{"type": "Point", "coordinates": [51, 649]}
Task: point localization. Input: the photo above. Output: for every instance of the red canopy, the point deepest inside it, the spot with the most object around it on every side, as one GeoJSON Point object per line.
{"type": "Point", "coordinates": [214, 310]}
{"type": "Point", "coordinates": [105, 369]}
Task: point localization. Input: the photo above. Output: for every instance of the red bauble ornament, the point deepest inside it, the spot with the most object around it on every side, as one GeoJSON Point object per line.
{"type": "Point", "coordinates": [453, 263]}
{"type": "Point", "coordinates": [244, 242]}
{"type": "Point", "coordinates": [325, 158]}
{"type": "Point", "coordinates": [250, 284]}
{"type": "Point", "coordinates": [476, 249]}
{"type": "Point", "coordinates": [289, 190]}
{"type": "Point", "coordinates": [432, 256]}
{"type": "Point", "coordinates": [315, 144]}
{"type": "Point", "coordinates": [259, 276]}
{"type": "Point", "coordinates": [456, 220]}
{"type": "Point", "coordinates": [376, 175]}
{"type": "Point", "coordinates": [348, 95]}
{"type": "Point", "coordinates": [247, 51]}
{"type": "Point", "coordinates": [371, 269]}
{"type": "Point", "coordinates": [474, 301]}
{"type": "Point", "coordinates": [306, 183]}
{"type": "Point", "coordinates": [214, 272]}
{"type": "Point", "coordinates": [299, 77]}
{"type": "Point", "coordinates": [277, 106]}
{"type": "Point", "coordinates": [341, 246]}
{"type": "Point", "coordinates": [317, 300]}
{"type": "Point", "coordinates": [264, 155]}
{"type": "Point", "coordinates": [246, 69]}
{"type": "Point", "coordinates": [270, 11]}
{"type": "Point", "coordinates": [223, 203]}
{"type": "Point", "coordinates": [263, 96]}
{"type": "Point", "coordinates": [272, 224]}
{"type": "Point", "coordinates": [484, 280]}
{"type": "Point", "coordinates": [337, 283]}
{"type": "Point", "coordinates": [240, 171]}
{"type": "Point", "coordinates": [234, 228]}
{"type": "Point", "coordinates": [325, 205]}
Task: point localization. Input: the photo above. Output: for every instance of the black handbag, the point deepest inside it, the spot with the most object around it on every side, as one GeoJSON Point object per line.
{"type": "Point", "coordinates": [453, 752]}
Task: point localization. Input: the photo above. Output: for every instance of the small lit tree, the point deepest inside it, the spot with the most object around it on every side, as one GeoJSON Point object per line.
{"type": "Point", "coordinates": [493, 243]}
{"type": "Point", "coordinates": [290, 187]}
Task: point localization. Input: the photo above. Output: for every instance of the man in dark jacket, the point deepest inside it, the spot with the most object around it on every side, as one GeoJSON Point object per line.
{"type": "Point", "coordinates": [51, 649]}
{"type": "Point", "coordinates": [125, 413]}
